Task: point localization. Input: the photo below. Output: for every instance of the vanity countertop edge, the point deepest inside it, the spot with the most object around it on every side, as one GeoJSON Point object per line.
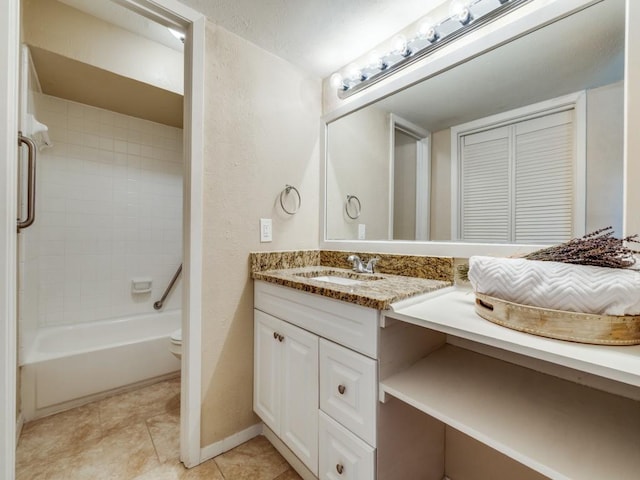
{"type": "Point", "coordinates": [379, 291]}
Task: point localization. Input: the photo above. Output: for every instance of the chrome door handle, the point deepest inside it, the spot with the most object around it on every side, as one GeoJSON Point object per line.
{"type": "Point", "coordinates": [31, 182]}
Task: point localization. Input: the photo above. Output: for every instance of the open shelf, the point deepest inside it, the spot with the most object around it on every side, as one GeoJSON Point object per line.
{"type": "Point", "coordinates": [558, 428]}
{"type": "Point", "coordinates": [452, 311]}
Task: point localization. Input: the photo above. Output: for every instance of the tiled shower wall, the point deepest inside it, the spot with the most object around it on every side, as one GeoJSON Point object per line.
{"type": "Point", "coordinates": [109, 209]}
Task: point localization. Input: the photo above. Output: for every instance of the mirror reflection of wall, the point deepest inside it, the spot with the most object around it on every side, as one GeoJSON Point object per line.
{"type": "Point", "coordinates": [551, 62]}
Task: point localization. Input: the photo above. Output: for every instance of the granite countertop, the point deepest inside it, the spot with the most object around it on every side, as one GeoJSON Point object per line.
{"type": "Point", "coordinates": [377, 290]}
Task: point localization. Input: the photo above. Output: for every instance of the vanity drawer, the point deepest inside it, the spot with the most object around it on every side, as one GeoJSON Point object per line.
{"type": "Point", "coordinates": [345, 323]}
{"type": "Point", "coordinates": [348, 389]}
{"type": "Point", "coordinates": [342, 455]}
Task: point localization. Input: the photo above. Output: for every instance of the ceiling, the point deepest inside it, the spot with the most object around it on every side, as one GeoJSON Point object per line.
{"type": "Point", "coordinates": [319, 36]}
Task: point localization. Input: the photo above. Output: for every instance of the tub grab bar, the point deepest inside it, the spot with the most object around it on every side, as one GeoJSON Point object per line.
{"type": "Point", "coordinates": [158, 305]}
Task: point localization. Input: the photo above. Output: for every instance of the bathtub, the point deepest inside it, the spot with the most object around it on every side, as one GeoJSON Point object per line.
{"type": "Point", "coordinates": [66, 366]}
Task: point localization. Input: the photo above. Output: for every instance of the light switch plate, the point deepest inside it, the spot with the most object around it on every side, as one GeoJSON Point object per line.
{"type": "Point", "coordinates": [266, 230]}
{"type": "Point", "coordinates": [362, 231]}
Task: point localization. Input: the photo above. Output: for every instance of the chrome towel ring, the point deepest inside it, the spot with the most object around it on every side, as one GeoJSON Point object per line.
{"type": "Point", "coordinates": [355, 201]}
{"type": "Point", "coordinates": [284, 193]}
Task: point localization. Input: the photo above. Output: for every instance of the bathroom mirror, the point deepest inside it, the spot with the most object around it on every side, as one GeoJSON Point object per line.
{"type": "Point", "coordinates": [390, 171]}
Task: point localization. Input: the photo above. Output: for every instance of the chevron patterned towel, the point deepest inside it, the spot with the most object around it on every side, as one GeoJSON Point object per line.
{"type": "Point", "coordinates": [558, 286]}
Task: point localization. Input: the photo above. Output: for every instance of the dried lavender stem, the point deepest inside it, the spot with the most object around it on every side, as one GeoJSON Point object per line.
{"type": "Point", "coordinates": [597, 248]}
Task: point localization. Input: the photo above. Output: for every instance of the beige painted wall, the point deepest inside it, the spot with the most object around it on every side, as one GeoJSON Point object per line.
{"type": "Point", "coordinates": [56, 27]}
{"type": "Point", "coordinates": [632, 117]}
{"type": "Point", "coordinates": [358, 164]}
{"type": "Point", "coordinates": [440, 207]}
{"type": "Point", "coordinates": [262, 120]}
{"type": "Point", "coordinates": [404, 191]}
{"type": "Point", "coordinates": [605, 145]}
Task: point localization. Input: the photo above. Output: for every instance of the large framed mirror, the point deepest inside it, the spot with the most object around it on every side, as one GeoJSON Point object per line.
{"type": "Point", "coordinates": [420, 165]}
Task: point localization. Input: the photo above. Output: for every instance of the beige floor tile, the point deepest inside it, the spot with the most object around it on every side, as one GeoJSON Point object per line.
{"type": "Point", "coordinates": [124, 454]}
{"type": "Point", "coordinates": [122, 410]}
{"type": "Point", "coordinates": [206, 471]}
{"type": "Point", "coordinates": [290, 474]}
{"type": "Point", "coordinates": [256, 459]}
{"type": "Point", "coordinates": [64, 434]}
{"type": "Point", "coordinates": [165, 435]}
{"type": "Point", "coordinates": [176, 471]}
{"type": "Point", "coordinates": [166, 471]}
{"type": "Point", "coordinates": [38, 470]}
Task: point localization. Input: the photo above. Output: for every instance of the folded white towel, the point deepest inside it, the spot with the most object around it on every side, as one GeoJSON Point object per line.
{"type": "Point", "coordinates": [559, 286]}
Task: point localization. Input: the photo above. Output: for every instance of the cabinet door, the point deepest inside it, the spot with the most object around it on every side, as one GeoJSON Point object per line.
{"type": "Point", "coordinates": [299, 413]}
{"type": "Point", "coordinates": [343, 456]}
{"type": "Point", "coordinates": [267, 351]}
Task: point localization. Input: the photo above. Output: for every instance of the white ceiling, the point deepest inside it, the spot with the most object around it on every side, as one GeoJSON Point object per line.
{"type": "Point", "coordinates": [319, 36]}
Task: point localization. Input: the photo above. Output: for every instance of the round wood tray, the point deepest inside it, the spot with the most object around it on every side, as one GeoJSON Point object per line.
{"type": "Point", "coordinates": [572, 326]}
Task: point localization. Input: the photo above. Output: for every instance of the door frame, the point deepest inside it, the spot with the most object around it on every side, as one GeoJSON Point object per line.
{"type": "Point", "coordinates": [169, 13]}
{"type": "Point", "coordinates": [9, 55]}
{"type": "Point", "coordinates": [423, 173]}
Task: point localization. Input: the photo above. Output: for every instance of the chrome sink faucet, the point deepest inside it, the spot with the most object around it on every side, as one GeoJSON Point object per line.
{"type": "Point", "coordinates": [359, 267]}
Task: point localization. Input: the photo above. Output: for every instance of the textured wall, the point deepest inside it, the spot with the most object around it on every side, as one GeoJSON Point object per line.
{"type": "Point", "coordinates": [261, 132]}
{"type": "Point", "coordinates": [358, 164]}
{"type": "Point", "coordinates": [440, 206]}
{"type": "Point", "coordinates": [632, 120]}
{"type": "Point", "coordinates": [605, 155]}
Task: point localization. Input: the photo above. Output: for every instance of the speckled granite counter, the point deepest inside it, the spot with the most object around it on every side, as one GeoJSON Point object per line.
{"type": "Point", "coordinates": [375, 290]}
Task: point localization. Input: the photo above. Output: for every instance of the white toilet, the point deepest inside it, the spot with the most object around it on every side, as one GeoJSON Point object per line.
{"type": "Point", "coordinates": [175, 346]}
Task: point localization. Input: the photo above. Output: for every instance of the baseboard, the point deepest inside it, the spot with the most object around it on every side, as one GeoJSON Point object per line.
{"type": "Point", "coordinates": [288, 455]}
{"type": "Point", "coordinates": [226, 444]}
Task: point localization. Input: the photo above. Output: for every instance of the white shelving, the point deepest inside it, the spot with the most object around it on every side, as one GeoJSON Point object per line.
{"type": "Point", "coordinates": [558, 428]}
{"type": "Point", "coordinates": [452, 311]}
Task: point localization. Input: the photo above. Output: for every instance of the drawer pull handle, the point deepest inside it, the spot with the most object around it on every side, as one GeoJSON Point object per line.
{"type": "Point", "coordinates": [339, 468]}
{"type": "Point", "coordinates": [341, 389]}
{"type": "Point", "coordinates": [277, 336]}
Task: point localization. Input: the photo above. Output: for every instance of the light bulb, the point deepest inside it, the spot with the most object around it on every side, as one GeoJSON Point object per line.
{"type": "Point", "coordinates": [374, 60]}
{"type": "Point", "coordinates": [460, 10]}
{"type": "Point", "coordinates": [427, 29]}
{"type": "Point", "coordinates": [400, 46]}
{"type": "Point", "coordinates": [336, 81]}
{"type": "Point", "coordinates": [353, 72]}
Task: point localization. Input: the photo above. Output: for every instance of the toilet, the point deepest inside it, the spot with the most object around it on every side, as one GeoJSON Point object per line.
{"type": "Point", "coordinates": [175, 346]}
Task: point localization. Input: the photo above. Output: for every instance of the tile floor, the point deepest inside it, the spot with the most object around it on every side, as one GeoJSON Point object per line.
{"type": "Point", "coordinates": [133, 436]}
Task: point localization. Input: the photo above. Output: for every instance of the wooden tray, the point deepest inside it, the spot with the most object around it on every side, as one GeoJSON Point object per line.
{"type": "Point", "coordinates": [572, 326]}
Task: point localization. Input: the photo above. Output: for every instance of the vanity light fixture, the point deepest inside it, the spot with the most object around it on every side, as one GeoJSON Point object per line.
{"type": "Point", "coordinates": [464, 16]}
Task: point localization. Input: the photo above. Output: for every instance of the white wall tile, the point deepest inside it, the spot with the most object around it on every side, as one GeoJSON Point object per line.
{"type": "Point", "coordinates": [109, 209]}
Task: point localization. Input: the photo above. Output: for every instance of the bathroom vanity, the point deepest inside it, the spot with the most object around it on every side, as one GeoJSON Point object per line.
{"type": "Point", "coordinates": [423, 388]}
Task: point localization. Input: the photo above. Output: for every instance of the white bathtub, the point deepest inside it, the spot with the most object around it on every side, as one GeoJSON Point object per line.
{"type": "Point", "coordinates": [66, 366]}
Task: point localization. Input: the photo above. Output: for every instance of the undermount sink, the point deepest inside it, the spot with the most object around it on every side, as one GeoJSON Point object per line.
{"type": "Point", "coordinates": [338, 277]}
{"type": "Point", "coordinates": [338, 280]}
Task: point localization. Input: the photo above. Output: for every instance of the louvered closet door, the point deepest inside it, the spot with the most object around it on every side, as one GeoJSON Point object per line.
{"type": "Point", "coordinates": [485, 185]}
{"type": "Point", "coordinates": [544, 179]}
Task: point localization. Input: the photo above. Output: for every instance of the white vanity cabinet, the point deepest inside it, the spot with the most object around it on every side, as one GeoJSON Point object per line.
{"type": "Point", "coordinates": [316, 379]}
{"type": "Point", "coordinates": [285, 386]}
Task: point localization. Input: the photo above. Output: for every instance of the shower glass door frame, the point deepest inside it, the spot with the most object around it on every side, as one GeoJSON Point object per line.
{"type": "Point", "coordinates": [168, 13]}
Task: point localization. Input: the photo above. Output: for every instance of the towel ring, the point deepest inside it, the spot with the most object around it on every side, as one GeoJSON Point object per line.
{"type": "Point", "coordinates": [358, 208]}
{"type": "Point", "coordinates": [284, 193]}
